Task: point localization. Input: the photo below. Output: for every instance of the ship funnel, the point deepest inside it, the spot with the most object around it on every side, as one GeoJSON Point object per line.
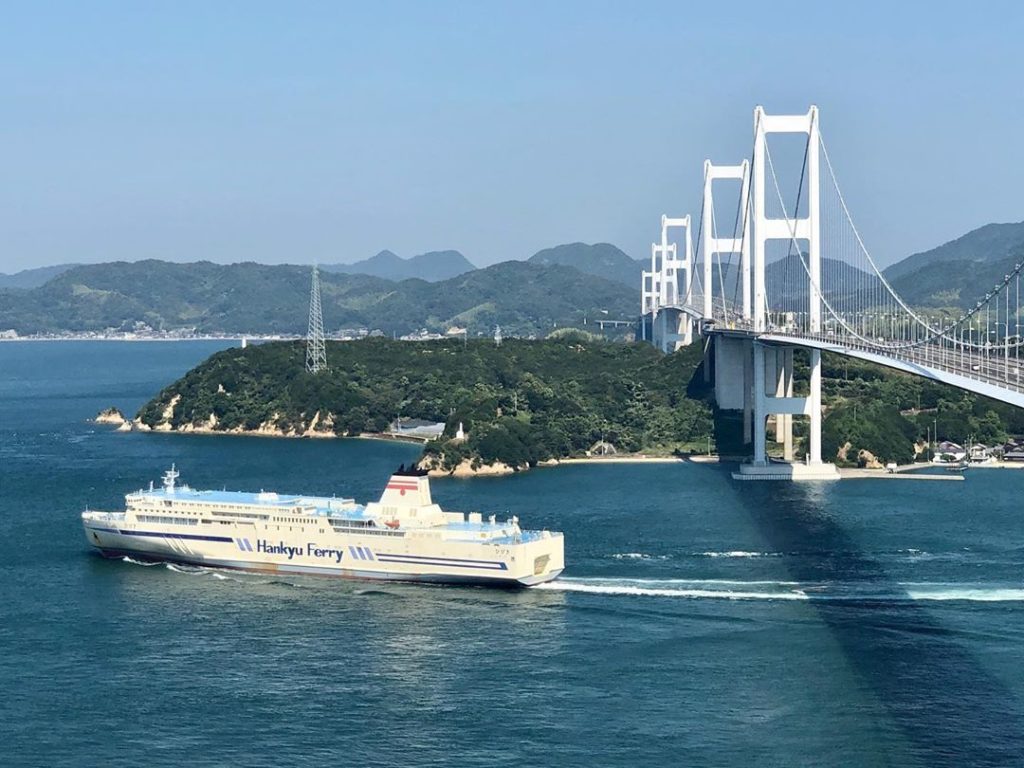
{"type": "Point", "coordinates": [407, 488]}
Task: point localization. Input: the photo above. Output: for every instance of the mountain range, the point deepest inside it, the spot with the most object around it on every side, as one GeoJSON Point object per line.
{"type": "Point", "coordinates": [33, 278]}
{"type": "Point", "coordinates": [554, 288]}
{"type": "Point", "coordinates": [524, 298]}
{"type": "Point", "coordinates": [962, 271]}
{"type": "Point", "coordinates": [432, 267]}
{"type": "Point", "coordinates": [602, 259]}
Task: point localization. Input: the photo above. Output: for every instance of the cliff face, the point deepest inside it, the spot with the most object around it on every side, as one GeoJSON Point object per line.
{"type": "Point", "coordinates": [319, 425]}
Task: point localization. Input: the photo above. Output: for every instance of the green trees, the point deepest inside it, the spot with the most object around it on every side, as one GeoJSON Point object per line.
{"type": "Point", "coordinates": [876, 427]}
{"type": "Point", "coordinates": [879, 410]}
{"type": "Point", "coordinates": [528, 401]}
{"type": "Point", "coordinates": [520, 403]}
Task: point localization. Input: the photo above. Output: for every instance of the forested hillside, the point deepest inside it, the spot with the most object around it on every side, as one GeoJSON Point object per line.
{"type": "Point", "coordinates": [526, 401]}
{"type": "Point", "coordinates": [960, 272]}
{"type": "Point", "coordinates": [524, 298]}
{"type": "Point", "coordinates": [520, 403]}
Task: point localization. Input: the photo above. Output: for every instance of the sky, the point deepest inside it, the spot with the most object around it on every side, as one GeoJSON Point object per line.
{"type": "Point", "coordinates": [300, 132]}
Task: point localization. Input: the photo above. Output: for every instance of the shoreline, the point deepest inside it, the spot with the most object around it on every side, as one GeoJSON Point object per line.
{"type": "Point", "coordinates": [623, 459]}
{"type": "Point", "coordinates": [155, 338]}
{"type": "Point", "coordinates": [905, 472]}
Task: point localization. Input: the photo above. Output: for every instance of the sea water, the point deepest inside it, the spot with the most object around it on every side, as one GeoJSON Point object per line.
{"type": "Point", "coordinates": [699, 621]}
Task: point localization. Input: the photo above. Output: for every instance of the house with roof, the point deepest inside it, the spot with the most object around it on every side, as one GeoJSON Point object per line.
{"type": "Point", "coordinates": [947, 450]}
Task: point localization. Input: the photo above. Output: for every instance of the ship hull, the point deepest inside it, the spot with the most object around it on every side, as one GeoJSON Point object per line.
{"type": "Point", "coordinates": [356, 561]}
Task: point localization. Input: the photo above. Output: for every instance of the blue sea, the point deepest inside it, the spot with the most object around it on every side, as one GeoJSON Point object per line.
{"type": "Point", "coordinates": [699, 621]}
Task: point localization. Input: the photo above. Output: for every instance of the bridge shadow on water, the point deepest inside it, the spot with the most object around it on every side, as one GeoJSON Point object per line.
{"type": "Point", "coordinates": [949, 707]}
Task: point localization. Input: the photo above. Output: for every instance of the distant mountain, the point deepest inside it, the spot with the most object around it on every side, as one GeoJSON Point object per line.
{"type": "Point", "coordinates": [432, 266]}
{"type": "Point", "coordinates": [33, 278]}
{"type": "Point", "coordinates": [523, 298]}
{"type": "Point", "coordinates": [601, 259]}
{"type": "Point", "coordinates": [962, 271]}
{"type": "Point", "coordinates": [788, 286]}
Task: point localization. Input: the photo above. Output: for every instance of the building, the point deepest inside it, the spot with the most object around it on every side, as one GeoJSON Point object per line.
{"type": "Point", "coordinates": [979, 452]}
{"type": "Point", "coordinates": [949, 448]}
{"type": "Point", "coordinates": [1013, 451]}
{"type": "Point", "coordinates": [416, 428]}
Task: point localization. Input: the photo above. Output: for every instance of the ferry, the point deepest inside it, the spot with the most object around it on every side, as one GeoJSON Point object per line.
{"type": "Point", "coordinates": [404, 536]}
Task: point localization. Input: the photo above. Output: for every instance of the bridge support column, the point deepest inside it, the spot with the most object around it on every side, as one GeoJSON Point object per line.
{"type": "Point", "coordinates": [748, 394]}
{"type": "Point", "coordinates": [671, 329]}
{"type": "Point", "coordinates": [760, 407]}
{"type": "Point", "coordinates": [784, 389]}
{"type": "Point", "coordinates": [773, 370]}
{"type": "Point", "coordinates": [814, 442]}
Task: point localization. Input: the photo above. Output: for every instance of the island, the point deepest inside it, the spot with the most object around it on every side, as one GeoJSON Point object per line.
{"type": "Point", "coordinates": [486, 408]}
{"type": "Point", "coordinates": [504, 407]}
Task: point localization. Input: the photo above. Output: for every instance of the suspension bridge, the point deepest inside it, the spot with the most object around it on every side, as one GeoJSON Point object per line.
{"type": "Point", "coordinates": [789, 271]}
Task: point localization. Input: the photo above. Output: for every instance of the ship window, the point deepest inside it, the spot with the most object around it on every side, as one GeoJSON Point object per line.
{"type": "Point", "coordinates": [165, 520]}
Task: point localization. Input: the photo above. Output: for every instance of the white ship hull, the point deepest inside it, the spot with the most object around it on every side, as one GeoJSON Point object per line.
{"type": "Point", "coordinates": [342, 557]}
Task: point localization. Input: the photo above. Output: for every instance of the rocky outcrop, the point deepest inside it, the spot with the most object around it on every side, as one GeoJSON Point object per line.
{"type": "Point", "coordinates": [466, 468]}
{"type": "Point", "coordinates": [321, 425]}
{"type": "Point", "coordinates": [867, 460]}
{"type": "Point", "coordinates": [111, 416]}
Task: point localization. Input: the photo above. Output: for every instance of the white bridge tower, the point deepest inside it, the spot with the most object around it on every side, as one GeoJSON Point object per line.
{"type": "Point", "coordinates": [671, 327]}
{"type": "Point", "coordinates": [773, 362]}
{"type": "Point", "coordinates": [712, 245]}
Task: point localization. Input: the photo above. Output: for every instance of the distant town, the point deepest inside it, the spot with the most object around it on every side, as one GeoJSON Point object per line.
{"type": "Point", "coordinates": [143, 332]}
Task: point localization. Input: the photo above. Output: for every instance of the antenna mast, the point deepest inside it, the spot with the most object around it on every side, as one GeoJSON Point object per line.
{"type": "Point", "coordinates": [316, 355]}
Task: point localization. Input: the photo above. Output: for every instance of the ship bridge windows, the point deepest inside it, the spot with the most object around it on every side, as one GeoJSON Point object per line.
{"type": "Point", "coordinates": [167, 520]}
{"type": "Point", "coordinates": [336, 522]}
{"type": "Point", "coordinates": [244, 515]}
{"type": "Point", "coordinates": [363, 528]}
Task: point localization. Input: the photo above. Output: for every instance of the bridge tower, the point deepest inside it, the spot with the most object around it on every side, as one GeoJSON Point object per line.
{"type": "Point", "coordinates": [712, 245]}
{"type": "Point", "coordinates": [773, 362]}
{"type": "Point", "coordinates": [671, 326]}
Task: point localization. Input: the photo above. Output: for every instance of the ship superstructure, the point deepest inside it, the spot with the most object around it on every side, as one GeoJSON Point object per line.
{"type": "Point", "coordinates": [403, 536]}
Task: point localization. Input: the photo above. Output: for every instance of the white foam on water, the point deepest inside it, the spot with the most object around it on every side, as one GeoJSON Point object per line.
{"type": "Point", "coordinates": [195, 571]}
{"type": "Point", "coordinates": [143, 563]}
{"type": "Point", "coordinates": [638, 556]}
{"type": "Point", "coordinates": [721, 589]}
{"type": "Point", "coordinates": [671, 588]}
{"type": "Point", "coordinates": [740, 553]}
{"type": "Point", "coordinates": [968, 593]}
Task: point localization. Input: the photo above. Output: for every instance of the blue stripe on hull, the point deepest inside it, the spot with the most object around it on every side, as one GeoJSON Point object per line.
{"type": "Point", "coordinates": [236, 565]}
{"type": "Point", "coordinates": [436, 560]}
{"type": "Point", "coordinates": [160, 534]}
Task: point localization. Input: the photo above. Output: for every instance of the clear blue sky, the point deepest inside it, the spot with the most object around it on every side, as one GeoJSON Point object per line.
{"type": "Point", "coordinates": [293, 132]}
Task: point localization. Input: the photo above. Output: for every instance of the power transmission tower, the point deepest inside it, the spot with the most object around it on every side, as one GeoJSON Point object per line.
{"type": "Point", "coordinates": [316, 354]}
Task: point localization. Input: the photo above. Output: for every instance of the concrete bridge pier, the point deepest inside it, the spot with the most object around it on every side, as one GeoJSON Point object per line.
{"type": "Point", "coordinates": [734, 379]}
{"type": "Point", "coordinates": [672, 329]}
{"type": "Point", "coordinates": [783, 365]}
{"type": "Point", "coordinates": [773, 372]}
{"type": "Point", "coordinates": [732, 385]}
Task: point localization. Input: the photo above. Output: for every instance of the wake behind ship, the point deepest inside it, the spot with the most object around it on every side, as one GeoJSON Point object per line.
{"type": "Point", "coordinates": [405, 536]}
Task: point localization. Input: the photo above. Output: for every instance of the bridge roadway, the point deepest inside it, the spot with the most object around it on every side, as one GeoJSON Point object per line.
{"type": "Point", "coordinates": [992, 375]}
